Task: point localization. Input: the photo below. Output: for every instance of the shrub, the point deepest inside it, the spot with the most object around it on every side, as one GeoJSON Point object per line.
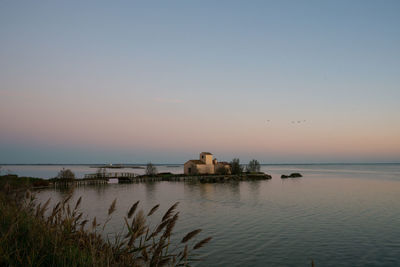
{"type": "Point", "coordinates": [236, 168]}
{"type": "Point", "coordinates": [66, 174]}
{"type": "Point", "coordinates": [253, 166]}
{"type": "Point", "coordinates": [151, 170]}
{"type": "Point", "coordinates": [221, 170]}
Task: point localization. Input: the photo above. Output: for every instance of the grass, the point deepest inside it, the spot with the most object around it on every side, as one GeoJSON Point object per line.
{"type": "Point", "coordinates": [32, 234]}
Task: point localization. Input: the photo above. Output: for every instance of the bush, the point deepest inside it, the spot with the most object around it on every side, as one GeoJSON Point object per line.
{"type": "Point", "coordinates": [236, 168]}
{"type": "Point", "coordinates": [66, 174]}
{"type": "Point", "coordinates": [253, 166]}
{"type": "Point", "coordinates": [151, 170]}
{"type": "Point", "coordinates": [221, 170]}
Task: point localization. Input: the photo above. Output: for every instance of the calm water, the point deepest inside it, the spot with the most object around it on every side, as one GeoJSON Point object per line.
{"type": "Point", "coordinates": [338, 215]}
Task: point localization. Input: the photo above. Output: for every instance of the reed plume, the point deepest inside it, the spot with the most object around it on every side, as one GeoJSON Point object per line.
{"type": "Point", "coordinates": [169, 212]}
{"type": "Point", "coordinates": [112, 207]}
{"type": "Point", "coordinates": [202, 243]}
{"type": "Point", "coordinates": [190, 235]}
{"type": "Point", "coordinates": [153, 210]}
{"type": "Point", "coordinates": [132, 209]}
{"type": "Point", "coordinates": [61, 238]}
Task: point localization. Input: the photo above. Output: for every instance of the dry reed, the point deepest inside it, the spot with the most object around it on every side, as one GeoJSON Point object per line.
{"type": "Point", "coordinates": [33, 235]}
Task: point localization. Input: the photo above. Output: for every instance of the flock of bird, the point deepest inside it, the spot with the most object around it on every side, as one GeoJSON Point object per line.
{"type": "Point", "coordinates": [303, 121]}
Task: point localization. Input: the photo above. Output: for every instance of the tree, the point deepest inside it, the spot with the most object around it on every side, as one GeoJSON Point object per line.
{"type": "Point", "coordinates": [236, 168]}
{"type": "Point", "coordinates": [253, 166]}
{"type": "Point", "coordinates": [151, 170]}
{"type": "Point", "coordinates": [222, 170]}
{"type": "Point", "coordinates": [66, 174]}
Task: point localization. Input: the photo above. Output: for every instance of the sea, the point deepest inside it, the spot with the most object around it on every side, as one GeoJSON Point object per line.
{"type": "Point", "coordinates": [335, 215]}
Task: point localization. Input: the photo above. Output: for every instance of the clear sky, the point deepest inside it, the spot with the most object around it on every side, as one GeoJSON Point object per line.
{"type": "Point", "coordinates": [138, 81]}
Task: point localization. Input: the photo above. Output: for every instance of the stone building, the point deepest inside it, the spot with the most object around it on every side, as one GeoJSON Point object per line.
{"type": "Point", "coordinates": [205, 165]}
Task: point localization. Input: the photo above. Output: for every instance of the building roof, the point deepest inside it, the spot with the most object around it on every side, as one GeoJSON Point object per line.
{"type": "Point", "coordinates": [195, 161]}
{"type": "Point", "coordinates": [207, 153]}
{"type": "Point", "coordinates": [224, 163]}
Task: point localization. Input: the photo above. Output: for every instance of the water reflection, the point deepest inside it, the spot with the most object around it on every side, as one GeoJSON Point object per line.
{"type": "Point", "coordinates": [235, 190]}
{"type": "Point", "coordinates": [254, 190]}
{"type": "Point", "coordinates": [150, 190]}
{"type": "Point", "coordinates": [207, 191]}
{"type": "Point", "coordinates": [64, 191]}
{"type": "Point", "coordinates": [100, 189]}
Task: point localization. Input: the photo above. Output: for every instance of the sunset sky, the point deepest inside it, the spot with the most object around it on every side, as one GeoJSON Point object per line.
{"type": "Point", "coordinates": [161, 81]}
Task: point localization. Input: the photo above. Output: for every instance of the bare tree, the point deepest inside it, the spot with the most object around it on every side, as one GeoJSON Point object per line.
{"type": "Point", "coordinates": [151, 170]}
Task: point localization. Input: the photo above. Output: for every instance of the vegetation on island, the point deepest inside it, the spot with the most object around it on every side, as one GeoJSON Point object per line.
{"type": "Point", "coordinates": [236, 168]}
{"type": "Point", "coordinates": [221, 170]}
{"type": "Point", "coordinates": [33, 234]}
{"type": "Point", "coordinates": [151, 170]}
{"type": "Point", "coordinates": [253, 166]}
{"type": "Point", "coordinates": [66, 174]}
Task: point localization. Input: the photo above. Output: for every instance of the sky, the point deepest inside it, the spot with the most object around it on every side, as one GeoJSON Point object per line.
{"type": "Point", "coordinates": [161, 81]}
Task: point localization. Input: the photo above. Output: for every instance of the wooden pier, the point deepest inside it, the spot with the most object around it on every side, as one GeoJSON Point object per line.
{"type": "Point", "coordinates": [94, 179]}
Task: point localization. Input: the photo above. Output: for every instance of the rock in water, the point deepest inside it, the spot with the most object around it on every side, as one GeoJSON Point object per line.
{"type": "Point", "coordinates": [293, 175]}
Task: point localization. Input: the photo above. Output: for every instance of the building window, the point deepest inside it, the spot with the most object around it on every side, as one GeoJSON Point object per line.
{"type": "Point", "coordinates": [190, 170]}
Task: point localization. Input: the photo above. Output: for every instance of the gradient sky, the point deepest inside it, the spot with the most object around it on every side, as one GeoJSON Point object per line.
{"type": "Point", "coordinates": [161, 81]}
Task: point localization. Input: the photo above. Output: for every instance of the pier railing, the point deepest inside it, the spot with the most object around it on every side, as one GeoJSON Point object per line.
{"type": "Point", "coordinates": [110, 175]}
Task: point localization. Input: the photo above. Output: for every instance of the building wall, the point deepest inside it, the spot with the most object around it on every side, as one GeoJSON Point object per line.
{"type": "Point", "coordinates": [206, 158]}
{"type": "Point", "coordinates": [201, 168]}
{"type": "Point", "coordinates": [186, 167]}
{"type": "Point", "coordinates": [206, 168]}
